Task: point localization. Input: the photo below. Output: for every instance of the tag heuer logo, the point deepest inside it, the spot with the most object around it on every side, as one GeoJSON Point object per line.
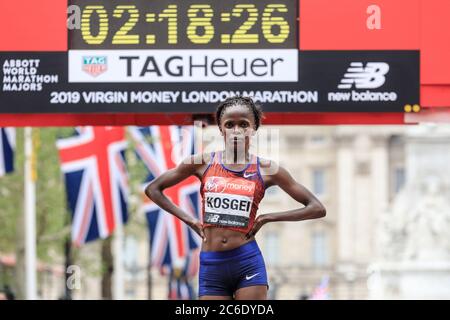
{"type": "Point", "coordinates": [371, 76]}
{"type": "Point", "coordinates": [95, 66]}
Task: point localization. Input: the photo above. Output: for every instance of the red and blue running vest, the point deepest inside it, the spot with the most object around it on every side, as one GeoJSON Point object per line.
{"type": "Point", "coordinates": [230, 198]}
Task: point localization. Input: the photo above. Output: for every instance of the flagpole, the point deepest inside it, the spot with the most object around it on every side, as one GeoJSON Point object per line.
{"type": "Point", "coordinates": [149, 276]}
{"type": "Point", "coordinates": [30, 219]}
{"type": "Point", "coordinates": [119, 288]}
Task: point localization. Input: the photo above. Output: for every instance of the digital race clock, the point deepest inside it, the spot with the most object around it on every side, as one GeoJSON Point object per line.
{"type": "Point", "coordinates": [186, 24]}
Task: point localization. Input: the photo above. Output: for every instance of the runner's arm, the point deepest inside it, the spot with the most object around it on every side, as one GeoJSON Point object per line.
{"type": "Point", "coordinates": [313, 207]}
{"type": "Point", "coordinates": [154, 190]}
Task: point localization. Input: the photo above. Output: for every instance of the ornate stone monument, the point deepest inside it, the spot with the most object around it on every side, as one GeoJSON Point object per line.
{"type": "Point", "coordinates": [413, 234]}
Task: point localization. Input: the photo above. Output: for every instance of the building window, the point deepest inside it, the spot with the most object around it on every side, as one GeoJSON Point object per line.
{"type": "Point", "coordinates": [319, 249]}
{"type": "Point", "coordinates": [399, 179]}
{"type": "Point", "coordinates": [272, 248]}
{"type": "Point", "coordinates": [318, 140]}
{"type": "Point", "coordinates": [319, 182]}
{"type": "Point", "coordinates": [273, 191]}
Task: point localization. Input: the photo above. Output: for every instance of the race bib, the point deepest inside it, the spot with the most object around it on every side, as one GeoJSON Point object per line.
{"type": "Point", "coordinates": [228, 201]}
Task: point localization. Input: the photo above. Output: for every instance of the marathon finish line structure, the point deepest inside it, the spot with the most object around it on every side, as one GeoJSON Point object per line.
{"type": "Point", "coordinates": [140, 62]}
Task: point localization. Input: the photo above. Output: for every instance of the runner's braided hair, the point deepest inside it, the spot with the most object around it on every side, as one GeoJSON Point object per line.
{"type": "Point", "coordinates": [241, 101]}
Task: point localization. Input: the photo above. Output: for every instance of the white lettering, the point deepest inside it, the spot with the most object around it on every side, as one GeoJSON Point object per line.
{"type": "Point", "coordinates": [374, 20]}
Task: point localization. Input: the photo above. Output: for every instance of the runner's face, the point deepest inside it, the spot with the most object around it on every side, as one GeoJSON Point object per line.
{"type": "Point", "coordinates": [237, 126]}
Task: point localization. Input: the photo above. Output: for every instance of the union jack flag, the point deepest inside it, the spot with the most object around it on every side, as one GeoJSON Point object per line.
{"type": "Point", "coordinates": [93, 162]}
{"type": "Point", "coordinates": [171, 240]}
{"type": "Point", "coordinates": [180, 289]}
{"type": "Point", "coordinates": [7, 146]}
{"type": "Point", "coordinates": [180, 286]}
{"type": "Point", "coordinates": [321, 291]}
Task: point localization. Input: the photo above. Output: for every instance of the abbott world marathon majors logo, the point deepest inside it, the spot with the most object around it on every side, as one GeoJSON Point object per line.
{"type": "Point", "coordinates": [364, 78]}
{"type": "Point", "coordinates": [237, 65]}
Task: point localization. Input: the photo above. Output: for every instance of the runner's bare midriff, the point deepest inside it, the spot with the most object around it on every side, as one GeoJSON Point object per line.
{"type": "Point", "coordinates": [220, 239]}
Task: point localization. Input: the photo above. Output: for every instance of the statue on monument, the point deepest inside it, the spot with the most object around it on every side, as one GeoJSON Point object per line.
{"type": "Point", "coordinates": [417, 229]}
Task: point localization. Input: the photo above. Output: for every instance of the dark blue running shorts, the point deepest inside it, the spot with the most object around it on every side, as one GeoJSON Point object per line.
{"type": "Point", "coordinates": [222, 273]}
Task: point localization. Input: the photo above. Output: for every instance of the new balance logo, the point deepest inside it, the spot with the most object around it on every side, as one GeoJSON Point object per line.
{"type": "Point", "coordinates": [370, 77]}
